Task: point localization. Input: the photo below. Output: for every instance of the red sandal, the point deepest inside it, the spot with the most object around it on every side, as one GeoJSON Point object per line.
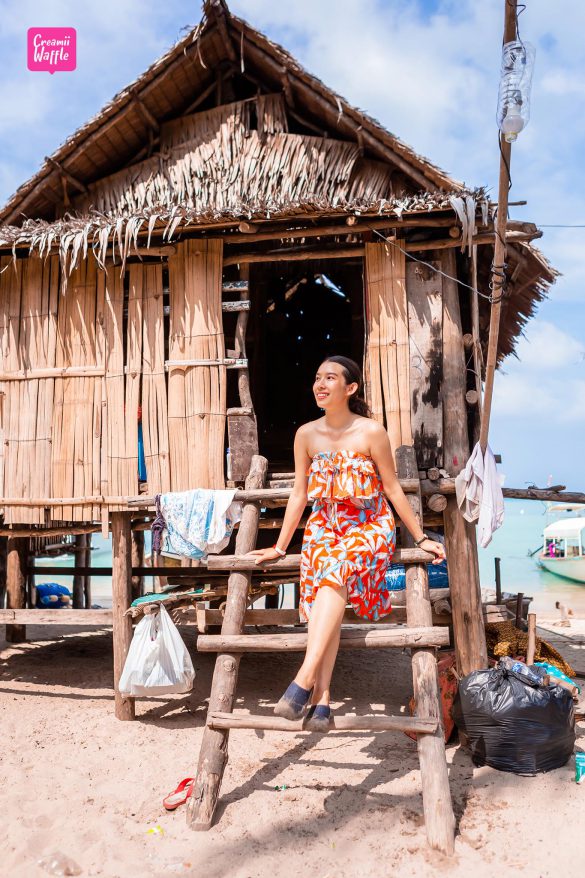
{"type": "Point", "coordinates": [180, 795]}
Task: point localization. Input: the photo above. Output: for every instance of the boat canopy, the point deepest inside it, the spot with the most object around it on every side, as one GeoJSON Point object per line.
{"type": "Point", "coordinates": [566, 527]}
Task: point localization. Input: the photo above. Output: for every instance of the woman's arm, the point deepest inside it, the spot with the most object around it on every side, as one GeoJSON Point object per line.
{"type": "Point", "coordinates": [381, 452]}
{"type": "Point", "coordinates": [296, 502]}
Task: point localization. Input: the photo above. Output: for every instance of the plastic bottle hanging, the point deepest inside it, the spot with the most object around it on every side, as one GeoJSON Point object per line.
{"type": "Point", "coordinates": [514, 94]}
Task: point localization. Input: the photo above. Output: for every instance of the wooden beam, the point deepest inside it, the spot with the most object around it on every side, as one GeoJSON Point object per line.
{"type": "Point", "coordinates": [63, 616]}
{"type": "Point", "coordinates": [292, 562]}
{"type": "Point", "coordinates": [460, 535]}
{"type": "Point", "coordinates": [345, 252]}
{"type": "Point", "coordinates": [146, 114]}
{"type": "Point", "coordinates": [437, 805]}
{"type": "Point", "coordinates": [213, 753]}
{"type": "Point", "coordinates": [16, 564]}
{"type": "Point", "coordinates": [349, 251]}
{"type": "Point", "coordinates": [345, 723]}
{"type": "Point", "coordinates": [68, 176]}
{"type": "Point", "coordinates": [399, 637]}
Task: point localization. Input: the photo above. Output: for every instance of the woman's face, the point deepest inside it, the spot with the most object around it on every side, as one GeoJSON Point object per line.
{"type": "Point", "coordinates": [330, 388]}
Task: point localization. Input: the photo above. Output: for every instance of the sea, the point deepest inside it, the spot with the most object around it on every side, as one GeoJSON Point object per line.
{"type": "Point", "coordinates": [520, 534]}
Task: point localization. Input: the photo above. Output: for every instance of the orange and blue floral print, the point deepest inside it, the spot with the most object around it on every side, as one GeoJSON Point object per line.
{"type": "Point", "coordinates": [350, 536]}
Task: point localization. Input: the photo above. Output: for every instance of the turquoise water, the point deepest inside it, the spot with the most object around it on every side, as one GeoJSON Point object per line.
{"type": "Point", "coordinates": [520, 534]}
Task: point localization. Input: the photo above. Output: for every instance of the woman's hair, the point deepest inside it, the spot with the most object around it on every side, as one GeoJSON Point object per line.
{"type": "Point", "coordinates": [353, 375]}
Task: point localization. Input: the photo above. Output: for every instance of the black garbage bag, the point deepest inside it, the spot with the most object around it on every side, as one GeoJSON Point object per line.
{"type": "Point", "coordinates": [515, 722]}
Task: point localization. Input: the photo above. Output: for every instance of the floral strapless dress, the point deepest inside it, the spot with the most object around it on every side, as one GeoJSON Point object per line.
{"type": "Point", "coordinates": [350, 535]}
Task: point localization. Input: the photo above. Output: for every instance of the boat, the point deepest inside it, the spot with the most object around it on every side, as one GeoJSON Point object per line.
{"type": "Point", "coordinates": [563, 543]}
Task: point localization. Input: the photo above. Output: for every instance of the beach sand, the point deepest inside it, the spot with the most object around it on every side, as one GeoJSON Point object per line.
{"type": "Point", "coordinates": [75, 779]}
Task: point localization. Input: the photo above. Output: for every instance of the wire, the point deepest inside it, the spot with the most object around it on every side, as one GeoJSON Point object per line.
{"type": "Point", "coordinates": [492, 299]}
{"type": "Point", "coordinates": [561, 225]}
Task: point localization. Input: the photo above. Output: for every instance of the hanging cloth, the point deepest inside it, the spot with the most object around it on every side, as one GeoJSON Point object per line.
{"type": "Point", "coordinates": [194, 523]}
{"type": "Point", "coordinates": [479, 493]}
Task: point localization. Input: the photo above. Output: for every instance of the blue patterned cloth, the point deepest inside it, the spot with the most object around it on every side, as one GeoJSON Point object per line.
{"type": "Point", "coordinates": [194, 523]}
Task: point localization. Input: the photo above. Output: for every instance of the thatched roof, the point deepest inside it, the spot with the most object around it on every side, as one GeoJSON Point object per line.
{"type": "Point", "coordinates": [285, 145]}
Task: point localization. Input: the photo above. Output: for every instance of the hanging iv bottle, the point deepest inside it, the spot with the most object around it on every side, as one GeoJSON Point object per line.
{"type": "Point", "coordinates": [514, 95]}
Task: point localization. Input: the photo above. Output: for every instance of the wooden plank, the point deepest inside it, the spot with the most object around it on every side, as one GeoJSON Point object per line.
{"type": "Point", "coordinates": [387, 346]}
{"type": "Point", "coordinates": [397, 638]}
{"type": "Point", "coordinates": [219, 720]}
{"type": "Point", "coordinates": [292, 562]}
{"type": "Point", "coordinates": [101, 618]}
{"type": "Point", "coordinates": [425, 325]}
{"type": "Point", "coordinates": [155, 428]}
{"type": "Point", "coordinates": [113, 482]}
{"type": "Point", "coordinates": [437, 805]}
{"type": "Point", "coordinates": [133, 372]}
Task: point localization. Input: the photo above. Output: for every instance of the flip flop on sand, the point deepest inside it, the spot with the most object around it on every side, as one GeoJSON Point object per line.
{"type": "Point", "coordinates": [180, 795]}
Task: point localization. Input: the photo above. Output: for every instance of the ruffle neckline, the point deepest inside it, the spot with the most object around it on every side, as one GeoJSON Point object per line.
{"type": "Point", "coordinates": [340, 475]}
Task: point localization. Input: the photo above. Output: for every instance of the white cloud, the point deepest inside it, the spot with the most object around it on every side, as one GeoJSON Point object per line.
{"type": "Point", "coordinates": [547, 347]}
{"type": "Point", "coordinates": [529, 399]}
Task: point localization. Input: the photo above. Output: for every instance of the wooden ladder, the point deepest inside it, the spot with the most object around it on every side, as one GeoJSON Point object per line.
{"type": "Point", "coordinates": [418, 634]}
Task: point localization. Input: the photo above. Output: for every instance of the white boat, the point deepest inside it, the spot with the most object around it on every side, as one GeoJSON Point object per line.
{"type": "Point", "coordinates": [563, 544]}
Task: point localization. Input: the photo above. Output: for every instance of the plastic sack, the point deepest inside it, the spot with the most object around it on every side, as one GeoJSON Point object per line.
{"type": "Point", "coordinates": [513, 724]}
{"type": "Point", "coordinates": [396, 576]}
{"type": "Point", "coordinates": [157, 662]}
{"type": "Point", "coordinates": [51, 595]}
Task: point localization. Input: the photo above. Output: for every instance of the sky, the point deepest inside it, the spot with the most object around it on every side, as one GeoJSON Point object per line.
{"type": "Point", "coordinates": [428, 70]}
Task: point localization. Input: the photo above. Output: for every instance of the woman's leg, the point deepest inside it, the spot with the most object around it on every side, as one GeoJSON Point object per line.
{"type": "Point", "coordinates": [323, 640]}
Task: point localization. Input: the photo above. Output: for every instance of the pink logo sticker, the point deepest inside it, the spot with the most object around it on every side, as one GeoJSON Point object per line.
{"type": "Point", "coordinates": [51, 48]}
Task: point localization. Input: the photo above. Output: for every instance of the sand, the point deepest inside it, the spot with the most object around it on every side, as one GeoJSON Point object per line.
{"type": "Point", "coordinates": [74, 779]}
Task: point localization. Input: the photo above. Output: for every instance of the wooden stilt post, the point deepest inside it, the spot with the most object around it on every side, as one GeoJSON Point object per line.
{"type": "Point", "coordinates": [213, 753]}
{"type": "Point", "coordinates": [86, 562]}
{"type": "Point", "coordinates": [460, 535]}
{"type": "Point", "coordinates": [437, 805]}
{"type": "Point", "coordinates": [3, 553]}
{"type": "Point", "coordinates": [16, 564]}
{"type": "Point", "coordinates": [121, 600]}
{"type": "Point", "coordinates": [78, 579]}
{"type": "Point", "coordinates": [137, 561]}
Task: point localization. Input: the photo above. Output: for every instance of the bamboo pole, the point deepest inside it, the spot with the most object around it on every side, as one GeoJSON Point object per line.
{"type": "Point", "coordinates": [498, 282]}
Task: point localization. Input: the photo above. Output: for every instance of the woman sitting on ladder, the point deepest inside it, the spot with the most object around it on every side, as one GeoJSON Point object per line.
{"type": "Point", "coordinates": [344, 464]}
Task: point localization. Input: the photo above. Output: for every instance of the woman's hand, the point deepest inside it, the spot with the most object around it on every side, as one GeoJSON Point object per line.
{"type": "Point", "coordinates": [435, 548]}
{"type": "Point", "coordinates": [262, 555]}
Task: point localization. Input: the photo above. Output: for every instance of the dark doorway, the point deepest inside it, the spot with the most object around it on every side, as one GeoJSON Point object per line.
{"type": "Point", "coordinates": [302, 311]}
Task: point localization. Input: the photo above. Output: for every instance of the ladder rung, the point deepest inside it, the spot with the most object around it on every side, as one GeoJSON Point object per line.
{"type": "Point", "coordinates": [235, 286]}
{"type": "Point", "coordinates": [219, 720]}
{"type": "Point", "coordinates": [242, 305]}
{"type": "Point", "coordinates": [397, 638]}
{"type": "Point", "coordinates": [293, 562]}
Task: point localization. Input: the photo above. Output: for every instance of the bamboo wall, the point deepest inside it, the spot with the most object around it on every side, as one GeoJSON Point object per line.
{"type": "Point", "coordinates": [76, 367]}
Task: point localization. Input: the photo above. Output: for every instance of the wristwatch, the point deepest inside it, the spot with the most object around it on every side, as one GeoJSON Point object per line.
{"type": "Point", "coordinates": [422, 539]}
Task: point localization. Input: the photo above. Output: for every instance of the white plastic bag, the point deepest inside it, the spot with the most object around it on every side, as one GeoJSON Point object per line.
{"type": "Point", "coordinates": [157, 662]}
